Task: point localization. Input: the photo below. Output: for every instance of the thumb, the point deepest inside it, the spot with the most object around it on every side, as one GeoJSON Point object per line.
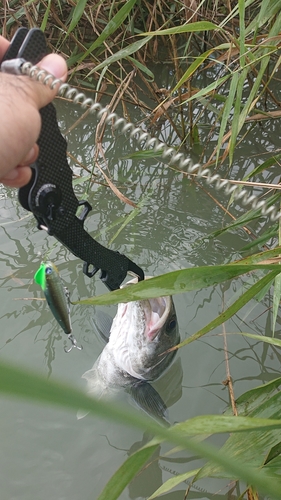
{"type": "Point", "coordinates": [56, 66]}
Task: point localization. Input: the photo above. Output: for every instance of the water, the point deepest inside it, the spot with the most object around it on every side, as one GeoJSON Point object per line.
{"type": "Point", "coordinates": [46, 454]}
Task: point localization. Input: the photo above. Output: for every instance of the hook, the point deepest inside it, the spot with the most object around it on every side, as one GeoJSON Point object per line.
{"type": "Point", "coordinates": [74, 344]}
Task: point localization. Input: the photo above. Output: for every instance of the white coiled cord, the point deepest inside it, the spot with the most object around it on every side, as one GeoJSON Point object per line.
{"type": "Point", "coordinates": [146, 141]}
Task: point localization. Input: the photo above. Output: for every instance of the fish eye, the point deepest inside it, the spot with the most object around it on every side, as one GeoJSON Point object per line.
{"type": "Point", "coordinates": [171, 325]}
{"type": "Point", "coordinates": [49, 270]}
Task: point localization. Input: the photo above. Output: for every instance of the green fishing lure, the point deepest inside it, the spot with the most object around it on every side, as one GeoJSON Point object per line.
{"type": "Point", "coordinates": [56, 295]}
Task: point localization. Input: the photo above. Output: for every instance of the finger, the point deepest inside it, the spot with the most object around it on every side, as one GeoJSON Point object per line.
{"type": "Point", "coordinates": [56, 66]}
{"type": "Point", "coordinates": [18, 177]}
{"type": "Point", "coordinates": [31, 156]}
{"type": "Point", "coordinates": [4, 45]}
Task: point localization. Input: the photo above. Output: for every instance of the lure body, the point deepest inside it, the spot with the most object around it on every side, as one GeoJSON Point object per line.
{"type": "Point", "coordinates": [56, 295]}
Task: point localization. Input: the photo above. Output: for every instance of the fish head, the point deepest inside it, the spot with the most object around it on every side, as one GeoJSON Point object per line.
{"type": "Point", "coordinates": [141, 334]}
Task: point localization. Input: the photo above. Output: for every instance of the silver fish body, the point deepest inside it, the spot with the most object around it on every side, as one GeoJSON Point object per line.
{"type": "Point", "coordinates": [141, 333]}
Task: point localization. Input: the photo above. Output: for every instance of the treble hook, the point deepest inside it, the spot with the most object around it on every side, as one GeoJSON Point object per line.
{"type": "Point", "coordinates": [74, 344]}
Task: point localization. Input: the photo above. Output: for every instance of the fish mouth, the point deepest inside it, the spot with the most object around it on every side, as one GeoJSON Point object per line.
{"type": "Point", "coordinates": [156, 312]}
{"type": "Point", "coordinates": [153, 312]}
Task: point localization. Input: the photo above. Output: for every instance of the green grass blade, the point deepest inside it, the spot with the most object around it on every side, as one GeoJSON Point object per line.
{"type": "Point", "coordinates": [226, 110]}
{"type": "Point", "coordinates": [208, 89]}
{"type": "Point", "coordinates": [77, 14]}
{"type": "Point", "coordinates": [111, 26]}
{"type": "Point", "coordinates": [245, 218]}
{"type": "Point", "coordinates": [276, 301]}
{"type": "Point", "coordinates": [81, 180]}
{"type": "Point", "coordinates": [266, 12]}
{"type": "Point", "coordinates": [264, 166]}
{"type": "Point", "coordinates": [192, 68]}
{"type": "Point", "coordinates": [142, 67]}
{"type": "Point", "coordinates": [233, 309]}
{"type": "Point", "coordinates": [186, 28]}
{"type": "Point", "coordinates": [46, 15]}
{"type": "Point", "coordinates": [261, 256]}
{"type": "Point", "coordinates": [277, 290]}
{"type": "Point", "coordinates": [260, 338]}
{"type": "Point", "coordinates": [126, 473]}
{"type": "Point", "coordinates": [17, 382]}
{"type": "Point", "coordinates": [271, 233]}
{"type": "Point", "coordinates": [234, 13]}
{"type": "Point", "coordinates": [235, 122]}
{"type": "Point", "coordinates": [252, 399]}
{"type": "Point", "coordinates": [172, 483]}
{"type": "Point", "coordinates": [220, 424]}
{"type": "Point", "coordinates": [177, 282]}
{"type": "Point", "coordinates": [274, 453]}
{"type": "Point", "coordinates": [128, 218]}
{"type": "Point", "coordinates": [254, 446]}
{"type": "Point", "coordinates": [241, 221]}
{"type": "Point", "coordinates": [260, 168]}
{"type": "Point", "coordinates": [121, 54]}
{"type": "Point", "coordinates": [241, 9]}
{"type": "Point", "coordinates": [209, 424]}
{"type": "Point", "coordinates": [125, 222]}
{"type": "Point", "coordinates": [253, 93]}
{"type": "Point", "coordinates": [263, 65]}
{"type": "Point", "coordinates": [145, 154]}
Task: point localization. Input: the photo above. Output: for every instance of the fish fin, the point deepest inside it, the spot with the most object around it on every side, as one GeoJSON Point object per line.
{"type": "Point", "coordinates": [95, 388]}
{"type": "Point", "coordinates": [99, 391]}
{"type": "Point", "coordinates": [81, 414]}
{"type": "Point", "coordinates": [102, 323]}
{"type": "Point", "coordinates": [91, 376]}
{"type": "Point", "coordinates": [150, 401]}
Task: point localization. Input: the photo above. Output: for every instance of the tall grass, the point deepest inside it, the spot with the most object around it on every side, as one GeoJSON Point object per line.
{"type": "Point", "coordinates": [103, 43]}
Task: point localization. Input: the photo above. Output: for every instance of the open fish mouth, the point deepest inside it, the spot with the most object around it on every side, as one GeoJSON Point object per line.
{"type": "Point", "coordinates": [150, 314]}
{"type": "Point", "coordinates": [156, 312]}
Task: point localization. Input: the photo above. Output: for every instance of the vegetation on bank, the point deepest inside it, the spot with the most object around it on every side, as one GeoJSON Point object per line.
{"type": "Point", "coordinates": [106, 45]}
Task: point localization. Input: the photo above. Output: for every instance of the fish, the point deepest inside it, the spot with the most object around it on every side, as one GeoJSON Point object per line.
{"type": "Point", "coordinates": [57, 296]}
{"type": "Point", "coordinates": [137, 353]}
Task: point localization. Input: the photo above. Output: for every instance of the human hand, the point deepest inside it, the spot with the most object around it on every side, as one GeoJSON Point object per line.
{"type": "Point", "coordinates": [20, 124]}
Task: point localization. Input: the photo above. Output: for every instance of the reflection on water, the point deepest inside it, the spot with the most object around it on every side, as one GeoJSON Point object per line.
{"type": "Point", "coordinates": [45, 452]}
